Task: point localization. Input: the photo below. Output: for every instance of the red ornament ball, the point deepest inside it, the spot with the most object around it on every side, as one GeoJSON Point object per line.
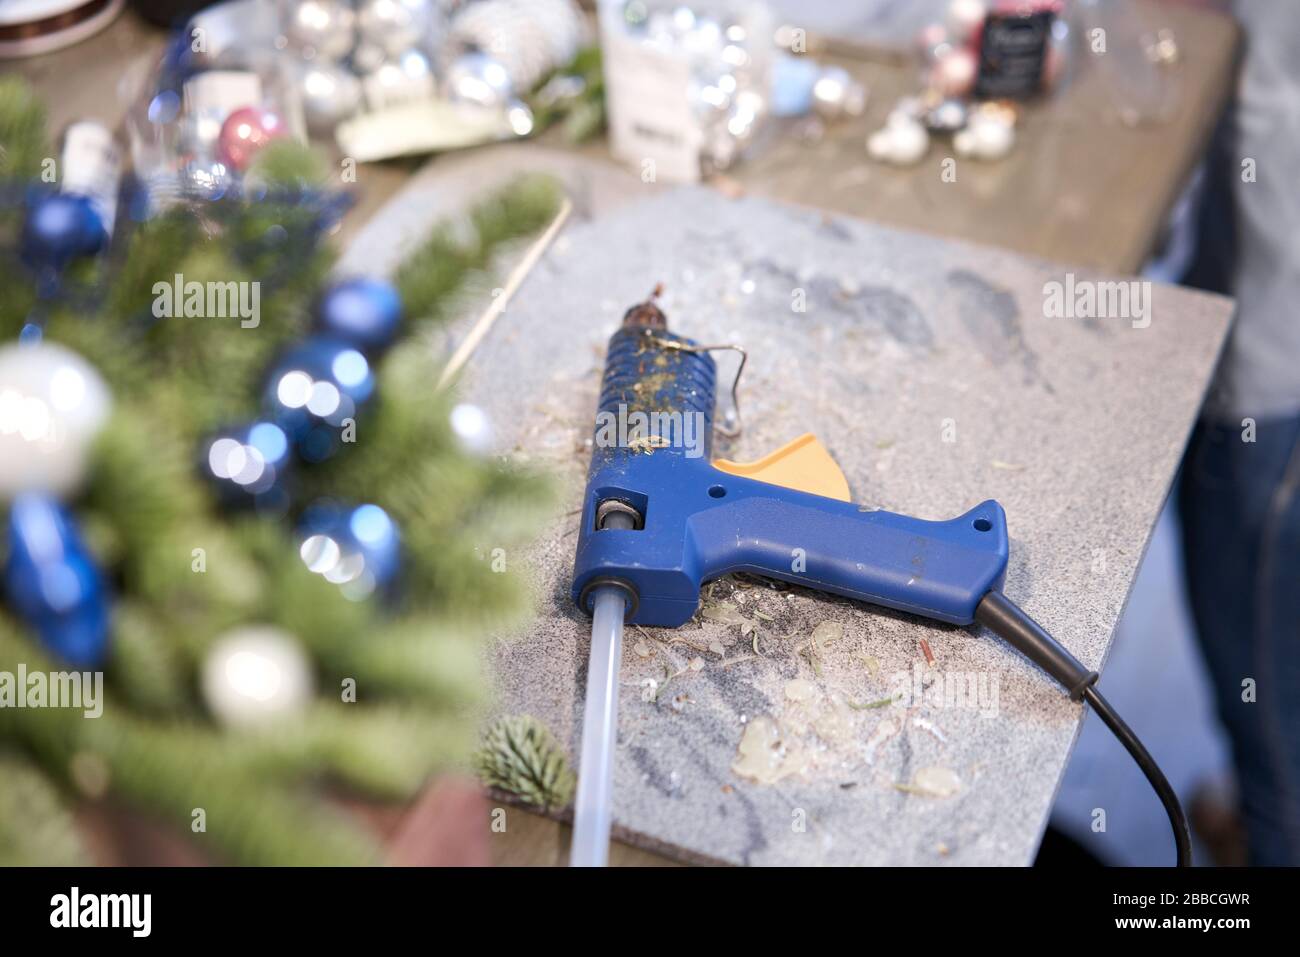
{"type": "Point", "coordinates": [246, 131]}
{"type": "Point", "coordinates": [954, 73]}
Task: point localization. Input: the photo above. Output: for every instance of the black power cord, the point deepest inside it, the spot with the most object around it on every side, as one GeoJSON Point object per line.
{"type": "Point", "coordinates": [1008, 621]}
{"type": "Point", "coordinates": [1177, 820]}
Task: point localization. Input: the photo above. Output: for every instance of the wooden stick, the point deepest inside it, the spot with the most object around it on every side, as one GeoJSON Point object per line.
{"type": "Point", "coordinates": [493, 312]}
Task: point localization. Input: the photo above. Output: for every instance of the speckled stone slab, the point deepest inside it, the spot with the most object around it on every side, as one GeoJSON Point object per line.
{"type": "Point", "coordinates": [931, 372]}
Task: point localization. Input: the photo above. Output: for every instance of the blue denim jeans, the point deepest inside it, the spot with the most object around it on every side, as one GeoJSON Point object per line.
{"type": "Point", "coordinates": [1240, 506]}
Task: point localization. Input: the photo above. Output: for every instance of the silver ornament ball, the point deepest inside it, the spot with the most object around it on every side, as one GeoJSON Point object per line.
{"type": "Point", "coordinates": [408, 77]}
{"type": "Point", "coordinates": [478, 79]}
{"type": "Point", "coordinates": [330, 95]}
{"type": "Point", "coordinates": [712, 98]}
{"type": "Point", "coordinates": [529, 38]}
{"type": "Point", "coordinates": [520, 117]}
{"type": "Point", "coordinates": [367, 57]}
{"type": "Point", "coordinates": [744, 116]}
{"type": "Point", "coordinates": [205, 179]}
{"type": "Point", "coordinates": [704, 40]}
{"type": "Point", "coordinates": [397, 25]}
{"type": "Point", "coordinates": [319, 28]}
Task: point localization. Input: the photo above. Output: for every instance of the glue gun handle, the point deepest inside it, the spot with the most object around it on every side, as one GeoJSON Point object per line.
{"type": "Point", "coordinates": [939, 570]}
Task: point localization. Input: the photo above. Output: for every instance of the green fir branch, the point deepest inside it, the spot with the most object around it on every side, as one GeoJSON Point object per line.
{"type": "Point", "coordinates": [185, 568]}
{"type": "Point", "coordinates": [519, 756]}
{"type": "Point", "coordinates": [24, 145]}
{"type": "Point", "coordinates": [435, 270]}
{"type": "Point", "coordinates": [36, 826]}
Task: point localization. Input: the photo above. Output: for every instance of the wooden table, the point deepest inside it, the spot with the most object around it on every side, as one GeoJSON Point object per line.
{"type": "Point", "coordinates": [1082, 187]}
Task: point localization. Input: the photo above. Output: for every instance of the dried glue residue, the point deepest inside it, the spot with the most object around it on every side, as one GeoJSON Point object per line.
{"type": "Point", "coordinates": [834, 723]}
{"type": "Point", "coordinates": [767, 754]}
{"type": "Point", "coordinates": [724, 613]}
{"type": "Point", "coordinates": [828, 717]}
{"type": "Point", "coordinates": [800, 690]}
{"type": "Point", "coordinates": [930, 728]}
{"type": "Point", "coordinates": [809, 711]}
{"type": "Point", "coordinates": [814, 730]}
{"type": "Point", "coordinates": [936, 781]}
{"type": "Point", "coordinates": [826, 634]}
{"type": "Point", "coordinates": [885, 730]}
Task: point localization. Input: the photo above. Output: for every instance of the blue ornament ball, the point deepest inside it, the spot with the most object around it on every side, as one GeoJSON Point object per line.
{"type": "Point", "coordinates": [59, 228]}
{"type": "Point", "coordinates": [356, 547]}
{"type": "Point", "coordinates": [364, 312]}
{"type": "Point", "coordinates": [314, 393]}
{"type": "Point", "coordinates": [248, 464]}
{"type": "Point", "coordinates": [52, 581]}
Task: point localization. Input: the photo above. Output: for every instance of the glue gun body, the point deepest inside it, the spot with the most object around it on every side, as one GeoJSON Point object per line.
{"type": "Point", "coordinates": [684, 520]}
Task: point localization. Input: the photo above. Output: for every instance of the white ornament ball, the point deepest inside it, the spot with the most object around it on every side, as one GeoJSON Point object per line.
{"type": "Point", "coordinates": [473, 428]}
{"type": "Point", "coordinates": [964, 19]}
{"type": "Point", "coordinates": [52, 405]}
{"type": "Point", "coordinates": [255, 675]}
{"type": "Point", "coordinates": [837, 94]}
{"type": "Point", "coordinates": [903, 141]}
{"type": "Point", "coordinates": [986, 137]}
{"type": "Point", "coordinates": [320, 28]}
{"type": "Point", "coordinates": [906, 109]}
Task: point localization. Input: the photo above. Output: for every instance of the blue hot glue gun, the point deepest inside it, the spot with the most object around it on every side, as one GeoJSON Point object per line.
{"type": "Point", "coordinates": [787, 516]}
{"type": "Point", "coordinates": [660, 518]}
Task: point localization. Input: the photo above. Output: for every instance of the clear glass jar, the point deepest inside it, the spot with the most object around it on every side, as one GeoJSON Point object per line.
{"type": "Point", "coordinates": [225, 61]}
{"type": "Point", "coordinates": [686, 86]}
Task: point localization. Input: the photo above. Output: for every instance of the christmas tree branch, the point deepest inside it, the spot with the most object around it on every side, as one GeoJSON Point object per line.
{"type": "Point", "coordinates": [186, 568]}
